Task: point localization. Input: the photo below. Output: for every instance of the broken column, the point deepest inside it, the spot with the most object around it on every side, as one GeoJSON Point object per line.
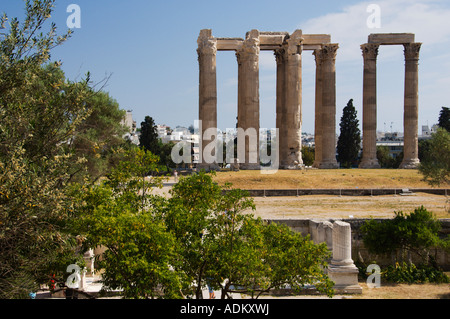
{"type": "Point", "coordinates": [341, 269]}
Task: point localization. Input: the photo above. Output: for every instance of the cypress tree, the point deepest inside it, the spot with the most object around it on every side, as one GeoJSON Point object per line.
{"type": "Point", "coordinates": [349, 141]}
{"type": "Point", "coordinates": [149, 136]}
{"type": "Point", "coordinates": [444, 118]}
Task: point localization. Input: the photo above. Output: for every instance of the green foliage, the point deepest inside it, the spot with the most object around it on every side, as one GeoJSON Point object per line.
{"type": "Point", "coordinates": [435, 166]}
{"type": "Point", "coordinates": [444, 118]}
{"type": "Point", "coordinates": [412, 274]}
{"type": "Point", "coordinates": [225, 246]}
{"type": "Point", "coordinates": [99, 136]}
{"type": "Point", "coordinates": [349, 142]}
{"type": "Point", "coordinates": [386, 160]}
{"type": "Point", "coordinates": [119, 214]}
{"type": "Point", "coordinates": [150, 141]}
{"type": "Point", "coordinates": [39, 112]}
{"type": "Point", "coordinates": [43, 119]}
{"type": "Point", "coordinates": [416, 232]}
{"type": "Point", "coordinates": [308, 155]}
{"type": "Point", "coordinates": [149, 136]}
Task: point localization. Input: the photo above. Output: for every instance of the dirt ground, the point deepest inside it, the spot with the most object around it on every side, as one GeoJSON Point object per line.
{"type": "Point", "coordinates": [329, 206]}
{"type": "Point", "coordinates": [319, 206]}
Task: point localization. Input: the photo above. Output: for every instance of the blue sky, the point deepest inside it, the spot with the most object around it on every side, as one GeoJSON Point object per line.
{"type": "Point", "coordinates": [149, 50]}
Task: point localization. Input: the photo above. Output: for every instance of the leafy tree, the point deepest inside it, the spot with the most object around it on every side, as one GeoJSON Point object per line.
{"type": "Point", "coordinates": [444, 118]}
{"type": "Point", "coordinates": [43, 119]}
{"type": "Point", "coordinates": [416, 232]}
{"type": "Point", "coordinates": [99, 135]}
{"type": "Point", "coordinates": [293, 260]}
{"type": "Point", "coordinates": [226, 247]}
{"type": "Point", "coordinates": [435, 166]}
{"type": "Point", "coordinates": [424, 149]}
{"type": "Point", "coordinates": [308, 155]}
{"type": "Point", "coordinates": [39, 112]}
{"type": "Point", "coordinates": [194, 203]}
{"type": "Point", "coordinates": [349, 142]}
{"type": "Point", "coordinates": [119, 214]}
{"type": "Point", "coordinates": [386, 160]}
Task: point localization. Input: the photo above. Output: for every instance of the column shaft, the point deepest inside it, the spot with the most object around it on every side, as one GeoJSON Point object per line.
{"type": "Point", "coordinates": [281, 106]}
{"type": "Point", "coordinates": [318, 110]}
{"type": "Point", "coordinates": [411, 111]}
{"type": "Point", "coordinates": [329, 107]}
{"type": "Point", "coordinates": [369, 159]}
{"type": "Point", "coordinates": [207, 49]}
{"type": "Point", "coordinates": [293, 102]}
{"type": "Point", "coordinates": [248, 102]}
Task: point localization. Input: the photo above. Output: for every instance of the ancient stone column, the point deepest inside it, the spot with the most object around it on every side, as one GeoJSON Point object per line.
{"type": "Point", "coordinates": [342, 270]}
{"type": "Point", "coordinates": [207, 49]}
{"type": "Point", "coordinates": [342, 244]}
{"type": "Point", "coordinates": [318, 109]}
{"type": "Point", "coordinates": [411, 111]}
{"type": "Point", "coordinates": [328, 160]}
{"type": "Point", "coordinates": [281, 106]}
{"type": "Point", "coordinates": [293, 101]}
{"type": "Point", "coordinates": [369, 158]}
{"type": "Point", "coordinates": [248, 102]}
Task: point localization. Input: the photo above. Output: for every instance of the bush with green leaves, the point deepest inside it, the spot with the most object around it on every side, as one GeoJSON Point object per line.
{"type": "Point", "coordinates": [415, 233]}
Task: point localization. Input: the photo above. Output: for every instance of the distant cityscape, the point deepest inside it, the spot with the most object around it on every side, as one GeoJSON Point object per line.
{"type": "Point", "coordinates": [392, 140]}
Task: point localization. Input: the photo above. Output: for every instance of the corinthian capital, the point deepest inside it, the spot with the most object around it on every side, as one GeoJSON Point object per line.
{"type": "Point", "coordinates": [250, 49]}
{"type": "Point", "coordinates": [318, 56]}
{"type": "Point", "coordinates": [412, 51]}
{"type": "Point", "coordinates": [329, 51]}
{"type": "Point", "coordinates": [207, 44]}
{"type": "Point", "coordinates": [370, 51]}
{"type": "Point", "coordinates": [279, 55]}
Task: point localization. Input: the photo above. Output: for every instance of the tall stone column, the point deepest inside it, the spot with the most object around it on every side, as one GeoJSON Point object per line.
{"type": "Point", "coordinates": [281, 106]}
{"type": "Point", "coordinates": [369, 158]}
{"type": "Point", "coordinates": [328, 160]}
{"type": "Point", "coordinates": [411, 112]}
{"type": "Point", "coordinates": [318, 109]}
{"type": "Point", "coordinates": [293, 101]}
{"type": "Point", "coordinates": [248, 102]}
{"type": "Point", "coordinates": [207, 49]}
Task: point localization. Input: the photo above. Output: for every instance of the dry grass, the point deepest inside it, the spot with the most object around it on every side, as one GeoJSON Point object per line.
{"type": "Point", "coordinates": [314, 178]}
{"type": "Point", "coordinates": [336, 206]}
{"type": "Point", "coordinates": [405, 291]}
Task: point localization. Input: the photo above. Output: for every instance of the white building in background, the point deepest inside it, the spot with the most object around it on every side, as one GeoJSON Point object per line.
{"type": "Point", "coordinates": [129, 122]}
{"type": "Point", "coordinates": [427, 132]}
{"type": "Point", "coordinates": [131, 125]}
